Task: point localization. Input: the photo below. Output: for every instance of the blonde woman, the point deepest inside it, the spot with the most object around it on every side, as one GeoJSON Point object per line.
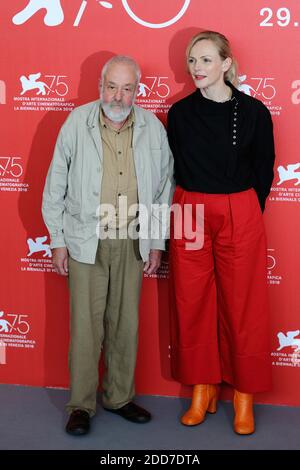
{"type": "Point", "coordinates": [222, 142]}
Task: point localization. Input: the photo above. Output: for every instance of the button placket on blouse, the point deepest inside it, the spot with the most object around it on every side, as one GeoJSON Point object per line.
{"type": "Point", "coordinates": [235, 114]}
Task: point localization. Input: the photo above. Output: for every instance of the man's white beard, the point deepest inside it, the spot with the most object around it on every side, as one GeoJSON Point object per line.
{"type": "Point", "coordinates": [114, 116]}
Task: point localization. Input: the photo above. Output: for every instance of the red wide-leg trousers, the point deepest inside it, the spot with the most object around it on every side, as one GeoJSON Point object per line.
{"type": "Point", "coordinates": [218, 295]}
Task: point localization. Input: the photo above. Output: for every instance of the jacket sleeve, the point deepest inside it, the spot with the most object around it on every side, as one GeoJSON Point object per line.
{"type": "Point", "coordinates": [160, 214]}
{"type": "Point", "coordinates": [55, 189]}
{"type": "Point", "coordinates": [171, 129]}
{"type": "Point", "coordinates": [264, 154]}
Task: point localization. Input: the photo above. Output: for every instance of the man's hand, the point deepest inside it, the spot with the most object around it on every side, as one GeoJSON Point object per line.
{"type": "Point", "coordinates": [152, 265]}
{"type": "Point", "coordinates": [60, 260]}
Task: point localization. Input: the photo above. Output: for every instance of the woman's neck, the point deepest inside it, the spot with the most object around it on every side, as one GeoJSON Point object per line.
{"type": "Point", "coordinates": [218, 93]}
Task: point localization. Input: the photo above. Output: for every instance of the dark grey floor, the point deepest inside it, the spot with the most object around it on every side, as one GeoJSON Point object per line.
{"type": "Point", "coordinates": [34, 418]}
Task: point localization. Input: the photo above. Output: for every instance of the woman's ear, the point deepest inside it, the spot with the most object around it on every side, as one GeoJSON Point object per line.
{"type": "Point", "coordinates": [226, 64]}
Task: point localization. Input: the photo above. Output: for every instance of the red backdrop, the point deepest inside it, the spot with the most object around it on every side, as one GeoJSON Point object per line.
{"type": "Point", "coordinates": [51, 57]}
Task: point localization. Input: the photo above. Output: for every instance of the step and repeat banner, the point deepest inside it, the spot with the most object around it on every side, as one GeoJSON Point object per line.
{"type": "Point", "coordinates": [51, 58]}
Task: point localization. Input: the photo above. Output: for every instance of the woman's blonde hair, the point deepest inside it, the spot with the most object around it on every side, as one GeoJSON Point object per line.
{"type": "Point", "coordinates": [224, 49]}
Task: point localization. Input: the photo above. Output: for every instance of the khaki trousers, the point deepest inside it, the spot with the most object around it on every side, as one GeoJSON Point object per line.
{"type": "Point", "coordinates": [104, 299]}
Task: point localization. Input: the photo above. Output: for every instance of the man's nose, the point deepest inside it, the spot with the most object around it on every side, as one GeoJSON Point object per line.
{"type": "Point", "coordinates": [118, 95]}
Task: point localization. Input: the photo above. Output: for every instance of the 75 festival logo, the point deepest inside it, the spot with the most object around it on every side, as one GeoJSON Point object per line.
{"type": "Point", "coordinates": [55, 14]}
{"type": "Point", "coordinates": [11, 166]}
{"type": "Point", "coordinates": [151, 87]}
{"type": "Point", "coordinates": [258, 87]}
{"type": "Point", "coordinates": [44, 86]}
{"type": "Point", "coordinates": [14, 323]}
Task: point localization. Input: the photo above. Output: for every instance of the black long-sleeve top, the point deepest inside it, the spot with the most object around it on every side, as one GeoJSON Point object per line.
{"type": "Point", "coordinates": [222, 147]}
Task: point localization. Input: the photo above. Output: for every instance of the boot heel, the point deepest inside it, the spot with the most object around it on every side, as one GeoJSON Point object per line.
{"type": "Point", "coordinates": [212, 406]}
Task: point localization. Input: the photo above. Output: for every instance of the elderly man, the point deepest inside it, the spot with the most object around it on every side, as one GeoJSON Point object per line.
{"type": "Point", "coordinates": [105, 203]}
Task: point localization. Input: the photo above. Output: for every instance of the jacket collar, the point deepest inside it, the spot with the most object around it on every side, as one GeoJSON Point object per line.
{"type": "Point", "coordinates": [93, 116]}
{"type": "Point", "coordinates": [235, 91]}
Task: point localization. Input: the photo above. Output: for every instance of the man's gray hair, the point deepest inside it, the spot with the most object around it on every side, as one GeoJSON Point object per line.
{"type": "Point", "coordinates": [121, 59]}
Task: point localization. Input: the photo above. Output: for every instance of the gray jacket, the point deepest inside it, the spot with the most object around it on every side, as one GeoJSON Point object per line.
{"type": "Point", "coordinates": [73, 185]}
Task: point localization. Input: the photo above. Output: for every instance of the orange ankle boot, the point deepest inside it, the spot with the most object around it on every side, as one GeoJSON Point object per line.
{"type": "Point", "coordinates": [204, 400]}
{"type": "Point", "coordinates": [244, 418]}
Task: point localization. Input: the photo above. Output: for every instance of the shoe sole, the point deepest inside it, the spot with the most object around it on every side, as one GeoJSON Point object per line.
{"type": "Point", "coordinates": [78, 432]}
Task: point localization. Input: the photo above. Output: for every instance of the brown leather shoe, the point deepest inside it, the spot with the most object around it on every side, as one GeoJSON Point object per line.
{"type": "Point", "coordinates": [204, 400]}
{"type": "Point", "coordinates": [243, 408]}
